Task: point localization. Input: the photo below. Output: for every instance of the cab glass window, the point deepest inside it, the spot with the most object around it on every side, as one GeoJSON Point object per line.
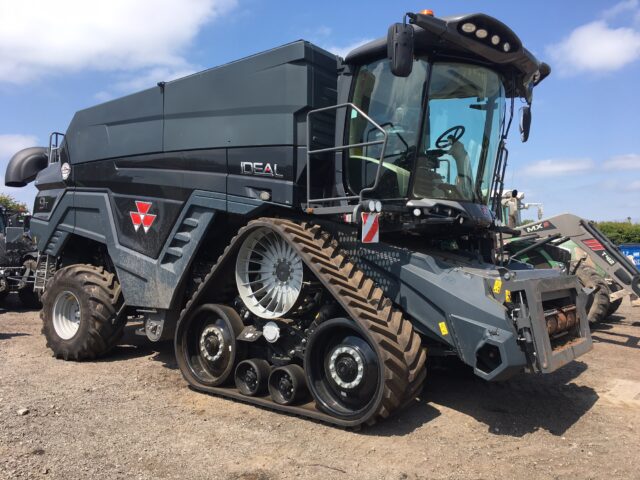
{"type": "Point", "coordinates": [395, 104]}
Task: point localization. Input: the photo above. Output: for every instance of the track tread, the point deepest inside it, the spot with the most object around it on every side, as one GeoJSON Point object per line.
{"type": "Point", "coordinates": [403, 355]}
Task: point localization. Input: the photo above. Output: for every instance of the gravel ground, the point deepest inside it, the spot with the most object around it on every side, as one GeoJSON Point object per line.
{"type": "Point", "coordinates": [132, 416]}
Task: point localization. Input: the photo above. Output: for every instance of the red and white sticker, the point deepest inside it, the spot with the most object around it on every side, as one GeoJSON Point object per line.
{"type": "Point", "coordinates": [594, 244]}
{"type": "Point", "coordinates": [142, 218]}
{"type": "Point", "coordinates": [370, 227]}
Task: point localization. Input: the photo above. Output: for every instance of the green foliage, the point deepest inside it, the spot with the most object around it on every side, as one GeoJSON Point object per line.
{"type": "Point", "coordinates": [11, 204]}
{"type": "Point", "coordinates": [620, 232]}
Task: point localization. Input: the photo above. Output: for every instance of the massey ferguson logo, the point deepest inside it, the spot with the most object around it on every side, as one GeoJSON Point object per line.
{"type": "Point", "coordinates": [142, 218]}
{"type": "Point", "coordinates": [260, 168]}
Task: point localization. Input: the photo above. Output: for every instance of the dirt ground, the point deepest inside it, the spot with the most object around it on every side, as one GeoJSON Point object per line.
{"type": "Point", "coordinates": [132, 416]}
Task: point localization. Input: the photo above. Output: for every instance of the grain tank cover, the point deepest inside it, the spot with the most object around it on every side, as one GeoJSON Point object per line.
{"type": "Point", "coordinates": [256, 101]}
{"type": "Point", "coordinates": [250, 102]}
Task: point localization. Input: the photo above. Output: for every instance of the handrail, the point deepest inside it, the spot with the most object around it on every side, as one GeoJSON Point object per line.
{"type": "Point", "coordinates": [54, 146]}
{"type": "Point", "coordinates": [310, 152]}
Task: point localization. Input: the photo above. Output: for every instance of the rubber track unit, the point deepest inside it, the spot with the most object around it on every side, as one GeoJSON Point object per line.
{"type": "Point", "coordinates": [403, 354]}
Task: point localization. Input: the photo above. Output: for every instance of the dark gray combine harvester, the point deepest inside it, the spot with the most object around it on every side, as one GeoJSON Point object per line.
{"type": "Point", "coordinates": [238, 210]}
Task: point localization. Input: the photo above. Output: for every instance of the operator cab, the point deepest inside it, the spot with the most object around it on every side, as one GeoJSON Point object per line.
{"type": "Point", "coordinates": [428, 110]}
{"type": "Point", "coordinates": [442, 145]}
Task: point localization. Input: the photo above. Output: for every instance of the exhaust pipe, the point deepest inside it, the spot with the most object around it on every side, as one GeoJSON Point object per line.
{"type": "Point", "coordinates": [25, 165]}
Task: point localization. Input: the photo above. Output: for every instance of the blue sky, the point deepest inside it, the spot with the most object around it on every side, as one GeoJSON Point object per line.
{"type": "Point", "coordinates": [583, 155]}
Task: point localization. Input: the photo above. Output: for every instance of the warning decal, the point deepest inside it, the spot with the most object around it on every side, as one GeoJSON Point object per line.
{"type": "Point", "coordinates": [370, 228]}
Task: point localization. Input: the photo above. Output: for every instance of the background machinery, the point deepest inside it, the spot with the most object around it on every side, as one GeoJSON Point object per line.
{"type": "Point", "coordinates": [306, 228]}
{"type": "Point", "coordinates": [18, 258]}
{"type": "Point", "coordinates": [577, 247]}
{"type": "Point", "coordinates": [512, 205]}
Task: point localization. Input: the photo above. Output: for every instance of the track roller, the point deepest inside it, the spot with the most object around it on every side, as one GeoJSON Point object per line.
{"type": "Point", "coordinates": [252, 376]}
{"type": "Point", "coordinates": [206, 346]}
{"type": "Point", "coordinates": [344, 371]}
{"type": "Point", "coordinates": [287, 385]}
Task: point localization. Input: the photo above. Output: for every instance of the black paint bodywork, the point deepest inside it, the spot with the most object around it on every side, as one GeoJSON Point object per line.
{"type": "Point", "coordinates": [195, 151]}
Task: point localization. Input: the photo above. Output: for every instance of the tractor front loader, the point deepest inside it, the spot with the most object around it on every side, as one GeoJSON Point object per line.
{"type": "Point", "coordinates": [576, 246]}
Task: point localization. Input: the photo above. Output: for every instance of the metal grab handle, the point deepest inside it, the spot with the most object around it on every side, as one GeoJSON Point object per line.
{"type": "Point", "coordinates": [310, 152]}
{"type": "Point", "coordinates": [54, 146]}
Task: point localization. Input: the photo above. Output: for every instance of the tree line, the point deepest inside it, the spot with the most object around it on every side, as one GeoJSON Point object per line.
{"type": "Point", "coordinates": [620, 232]}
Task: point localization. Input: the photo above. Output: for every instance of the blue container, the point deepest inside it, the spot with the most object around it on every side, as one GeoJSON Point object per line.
{"type": "Point", "coordinates": [631, 250]}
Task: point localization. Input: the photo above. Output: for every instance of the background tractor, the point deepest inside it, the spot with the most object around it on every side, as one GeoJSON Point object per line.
{"type": "Point", "coordinates": [18, 258]}
{"type": "Point", "coordinates": [576, 246]}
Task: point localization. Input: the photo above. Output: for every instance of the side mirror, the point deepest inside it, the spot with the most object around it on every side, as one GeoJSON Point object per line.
{"type": "Point", "coordinates": [400, 49]}
{"type": "Point", "coordinates": [525, 122]}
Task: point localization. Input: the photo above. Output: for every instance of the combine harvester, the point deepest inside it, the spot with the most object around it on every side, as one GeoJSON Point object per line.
{"type": "Point", "coordinates": [307, 228]}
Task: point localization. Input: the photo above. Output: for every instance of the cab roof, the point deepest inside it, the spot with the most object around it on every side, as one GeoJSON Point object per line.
{"type": "Point", "coordinates": [446, 39]}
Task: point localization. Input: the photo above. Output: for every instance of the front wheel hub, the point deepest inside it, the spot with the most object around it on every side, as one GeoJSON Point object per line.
{"type": "Point", "coordinates": [283, 271]}
{"type": "Point", "coordinates": [269, 274]}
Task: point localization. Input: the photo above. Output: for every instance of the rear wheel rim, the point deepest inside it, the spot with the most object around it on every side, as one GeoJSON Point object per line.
{"type": "Point", "coordinates": [66, 315]}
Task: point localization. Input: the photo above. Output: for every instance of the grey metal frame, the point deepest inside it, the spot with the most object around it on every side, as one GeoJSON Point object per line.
{"type": "Point", "coordinates": [347, 198]}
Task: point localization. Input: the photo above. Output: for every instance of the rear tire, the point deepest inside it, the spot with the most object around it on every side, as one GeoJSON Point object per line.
{"type": "Point", "coordinates": [613, 306]}
{"type": "Point", "coordinates": [598, 303]}
{"type": "Point", "coordinates": [80, 312]}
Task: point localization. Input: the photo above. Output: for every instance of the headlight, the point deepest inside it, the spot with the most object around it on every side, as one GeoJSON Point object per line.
{"type": "Point", "coordinates": [506, 47]}
{"type": "Point", "coordinates": [468, 28]}
{"type": "Point", "coordinates": [495, 39]}
{"type": "Point", "coordinates": [481, 33]}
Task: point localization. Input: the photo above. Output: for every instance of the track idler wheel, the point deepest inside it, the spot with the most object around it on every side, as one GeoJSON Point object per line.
{"type": "Point", "coordinates": [206, 347]}
{"type": "Point", "coordinates": [344, 371]}
{"type": "Point", "coordinates": [252, 376]}
{"type": "Point", "coordinates": [287, 385]}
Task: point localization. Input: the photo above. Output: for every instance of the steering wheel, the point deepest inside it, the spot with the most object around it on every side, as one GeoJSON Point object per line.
{"type": "Point", "coordinates": [455, 132]}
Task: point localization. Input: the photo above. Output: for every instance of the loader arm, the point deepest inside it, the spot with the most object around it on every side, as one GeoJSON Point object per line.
{"type": "Point", "coordinates": [599, 250]}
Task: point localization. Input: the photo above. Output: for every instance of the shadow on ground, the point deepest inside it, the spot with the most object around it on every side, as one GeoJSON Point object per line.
{"type": "Point", "coordinates": [133, 346]}
{"type": "Point", "coordinates": [601, 332]}
{"type": "Point", "coordinates": [6, 336]}
{"type": "Point", "coordinates": [519, 406]}
{"type": "Point", "coordinates": [12, 303]}
{"type": "Point", "coordinates": [516, 407]}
